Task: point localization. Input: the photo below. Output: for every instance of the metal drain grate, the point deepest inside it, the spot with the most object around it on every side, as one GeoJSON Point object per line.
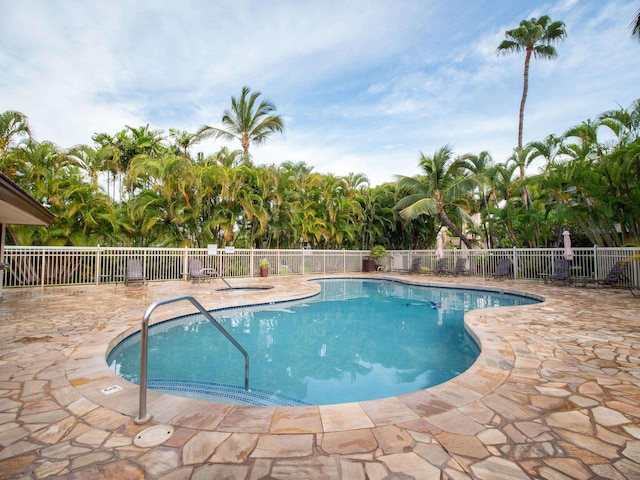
{"type": "Point", "coordinates": [153, 436]}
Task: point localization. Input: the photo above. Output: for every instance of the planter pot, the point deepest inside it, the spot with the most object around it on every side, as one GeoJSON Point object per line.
{"type": "Point", "coordinates": [264, 272]}
{"type": "Point", "coordinates": [368, 264]}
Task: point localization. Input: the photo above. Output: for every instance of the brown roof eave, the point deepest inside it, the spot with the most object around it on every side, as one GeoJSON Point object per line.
{"type": "Point", "coordinates": [17, 207]}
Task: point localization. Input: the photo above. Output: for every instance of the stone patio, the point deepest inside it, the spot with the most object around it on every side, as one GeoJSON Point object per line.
{"type": "Point", "coordinates": [555, 394]}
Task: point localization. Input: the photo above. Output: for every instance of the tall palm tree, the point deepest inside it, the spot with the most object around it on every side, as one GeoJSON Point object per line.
{"type": "Point", "coordinates": [534, 37]}
{"type": "Point", "coordinates": [444, 191]}
{"type": "Point", "coordinates": [246, 121]}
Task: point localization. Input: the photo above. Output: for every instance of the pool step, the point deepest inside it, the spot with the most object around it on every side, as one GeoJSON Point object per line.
{"type": "Point", "coordinates": [223, 393]}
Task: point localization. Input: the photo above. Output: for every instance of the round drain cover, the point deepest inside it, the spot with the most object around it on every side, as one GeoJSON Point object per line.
{"type": "Point", "coordinates": [153, 436]}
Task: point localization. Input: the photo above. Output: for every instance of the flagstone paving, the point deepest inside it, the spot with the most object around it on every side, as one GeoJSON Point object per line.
{"type": "Point", "coordinates": [555, 394]}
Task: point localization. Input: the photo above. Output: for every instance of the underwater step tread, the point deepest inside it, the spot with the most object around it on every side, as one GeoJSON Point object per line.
{"type": "Point", "coordinates": [221, 391]}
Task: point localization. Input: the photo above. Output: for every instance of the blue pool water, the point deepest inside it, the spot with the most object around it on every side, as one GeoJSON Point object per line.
{"type": "Point", "coordinates": [358, 340]}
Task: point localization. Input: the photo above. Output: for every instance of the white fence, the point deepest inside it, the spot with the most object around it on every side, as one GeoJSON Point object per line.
{"type": "Point", "coordinates": [49, 266]}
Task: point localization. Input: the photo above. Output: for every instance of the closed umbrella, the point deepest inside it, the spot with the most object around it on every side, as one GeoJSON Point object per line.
{"type": "Point", "coordinates": [439, 252]}
{"type": "Point", "coordinates": [568, 252]}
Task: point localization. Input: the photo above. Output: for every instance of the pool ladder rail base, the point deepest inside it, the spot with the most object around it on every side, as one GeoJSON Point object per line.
{"type": "Point", "coordinates": [143, 415]}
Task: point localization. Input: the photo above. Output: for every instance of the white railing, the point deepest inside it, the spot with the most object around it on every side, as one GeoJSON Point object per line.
{"type": "Point", "coordinates": [49, 266]}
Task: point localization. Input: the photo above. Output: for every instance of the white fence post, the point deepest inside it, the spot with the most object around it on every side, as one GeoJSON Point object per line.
{"type": "Point", "coordinates": [185, 264]}
{"type": "Point", "coordinates": [97, 267]}
{"type": "Point", "coordinates": [43, 266]}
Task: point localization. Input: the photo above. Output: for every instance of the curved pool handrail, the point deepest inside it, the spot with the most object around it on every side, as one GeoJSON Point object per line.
{"type": "Point", "coordinates": [143, 416]}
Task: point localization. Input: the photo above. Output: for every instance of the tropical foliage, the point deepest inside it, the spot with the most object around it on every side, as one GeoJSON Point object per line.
{"type": "Point", "coordinates": [138, 187]}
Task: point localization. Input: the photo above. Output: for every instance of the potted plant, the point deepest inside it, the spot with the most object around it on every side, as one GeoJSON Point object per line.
{"type": "Point", "coordinates": [264, 267]}
{"type": "Point", "coordinates": [377, 252]}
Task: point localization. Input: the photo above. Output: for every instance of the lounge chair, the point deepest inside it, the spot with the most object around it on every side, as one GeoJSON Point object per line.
{"type": "Point", "coordinates": [442, 267]}
{"type": "Point", "coordinates": [561, 271]}
{"type": "Point", "coordinates": [615, 276]}
{"type": "Point", "coordinates": [134, 272]}
{"type": "Point", "coordinates": [415, 265]}
{"type": "Point", "coordinates": [503, 269]}
{"type": "Point", "coordinates": [460, 267]}
{"type": "Point", "coordinates": [198, 272]}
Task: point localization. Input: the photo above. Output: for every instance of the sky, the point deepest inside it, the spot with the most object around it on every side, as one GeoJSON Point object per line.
{"type": "Point", "coordinates": [362, 86]}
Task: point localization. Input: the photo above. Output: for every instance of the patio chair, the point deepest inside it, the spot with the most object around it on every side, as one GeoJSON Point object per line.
{"type": "Point", "coordinates": [198, 272]}
{"type": "Point", "coordinates": [615, 276]}
{"type": "Point", "coordinates": [442, 267]}
{"type": "Point", "coordinates": [561, 271]}
{"type": "Point", "coordinates": [134, 272]}
{"type": "Point", "coordinates": [503, 269]}
{"type": "Point", "coordinates": [460, 268]}
{"type": "Point", "coordinates": [415, 265]}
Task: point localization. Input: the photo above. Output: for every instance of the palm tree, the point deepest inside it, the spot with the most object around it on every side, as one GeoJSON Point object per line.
{"type": "Point", "coordinates": [624, 123]}
{"type": "Point", "coordinates": [549, 148]}
{"type": "Point", "coordinates": [523, 157]}
{"type": "Point", "coordinates": [535, 37]}
{"type": "Point", "coordinates": [87, 159]}
{"type": "Point", "coordinates": [586, 145]}
{"type": "Point", "coordinates": [13, 126]}
{"type": "Point", "coordinates": [482, 172]}
{"type": "Point", "coordinates": [183, 140]}
{"type": "Point", "coordinates": [166, 204]}
{"type": "Point", "coordinates": [443, 191]}
{"type": "Point", "coordinates": [503, 202]}
{"type": "Point", "coordinates": [635, 26]}
{"type": "Point", "coordinates": [246, 121]}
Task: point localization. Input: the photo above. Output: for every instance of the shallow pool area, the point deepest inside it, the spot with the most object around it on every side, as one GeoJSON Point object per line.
{"type": "Point", "coordinates": [357, 340]}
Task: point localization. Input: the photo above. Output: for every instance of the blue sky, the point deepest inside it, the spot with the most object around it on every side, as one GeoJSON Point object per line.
{"type": "Point", "coordinates": [363, 86]}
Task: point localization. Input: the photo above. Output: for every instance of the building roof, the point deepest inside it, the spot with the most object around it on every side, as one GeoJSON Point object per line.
{"type": "Point", "coordinates": [17, 207]}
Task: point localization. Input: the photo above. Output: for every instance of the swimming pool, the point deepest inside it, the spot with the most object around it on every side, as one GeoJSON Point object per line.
{"type": "Point", "coordinates": [357, 340]}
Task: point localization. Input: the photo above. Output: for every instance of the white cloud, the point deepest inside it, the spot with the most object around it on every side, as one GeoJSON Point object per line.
{"type": "Point", "coordinates": [364, 86]}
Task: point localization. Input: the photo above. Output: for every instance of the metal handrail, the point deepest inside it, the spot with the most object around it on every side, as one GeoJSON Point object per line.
{"type": "Point", "coordinates": [143, 416]}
